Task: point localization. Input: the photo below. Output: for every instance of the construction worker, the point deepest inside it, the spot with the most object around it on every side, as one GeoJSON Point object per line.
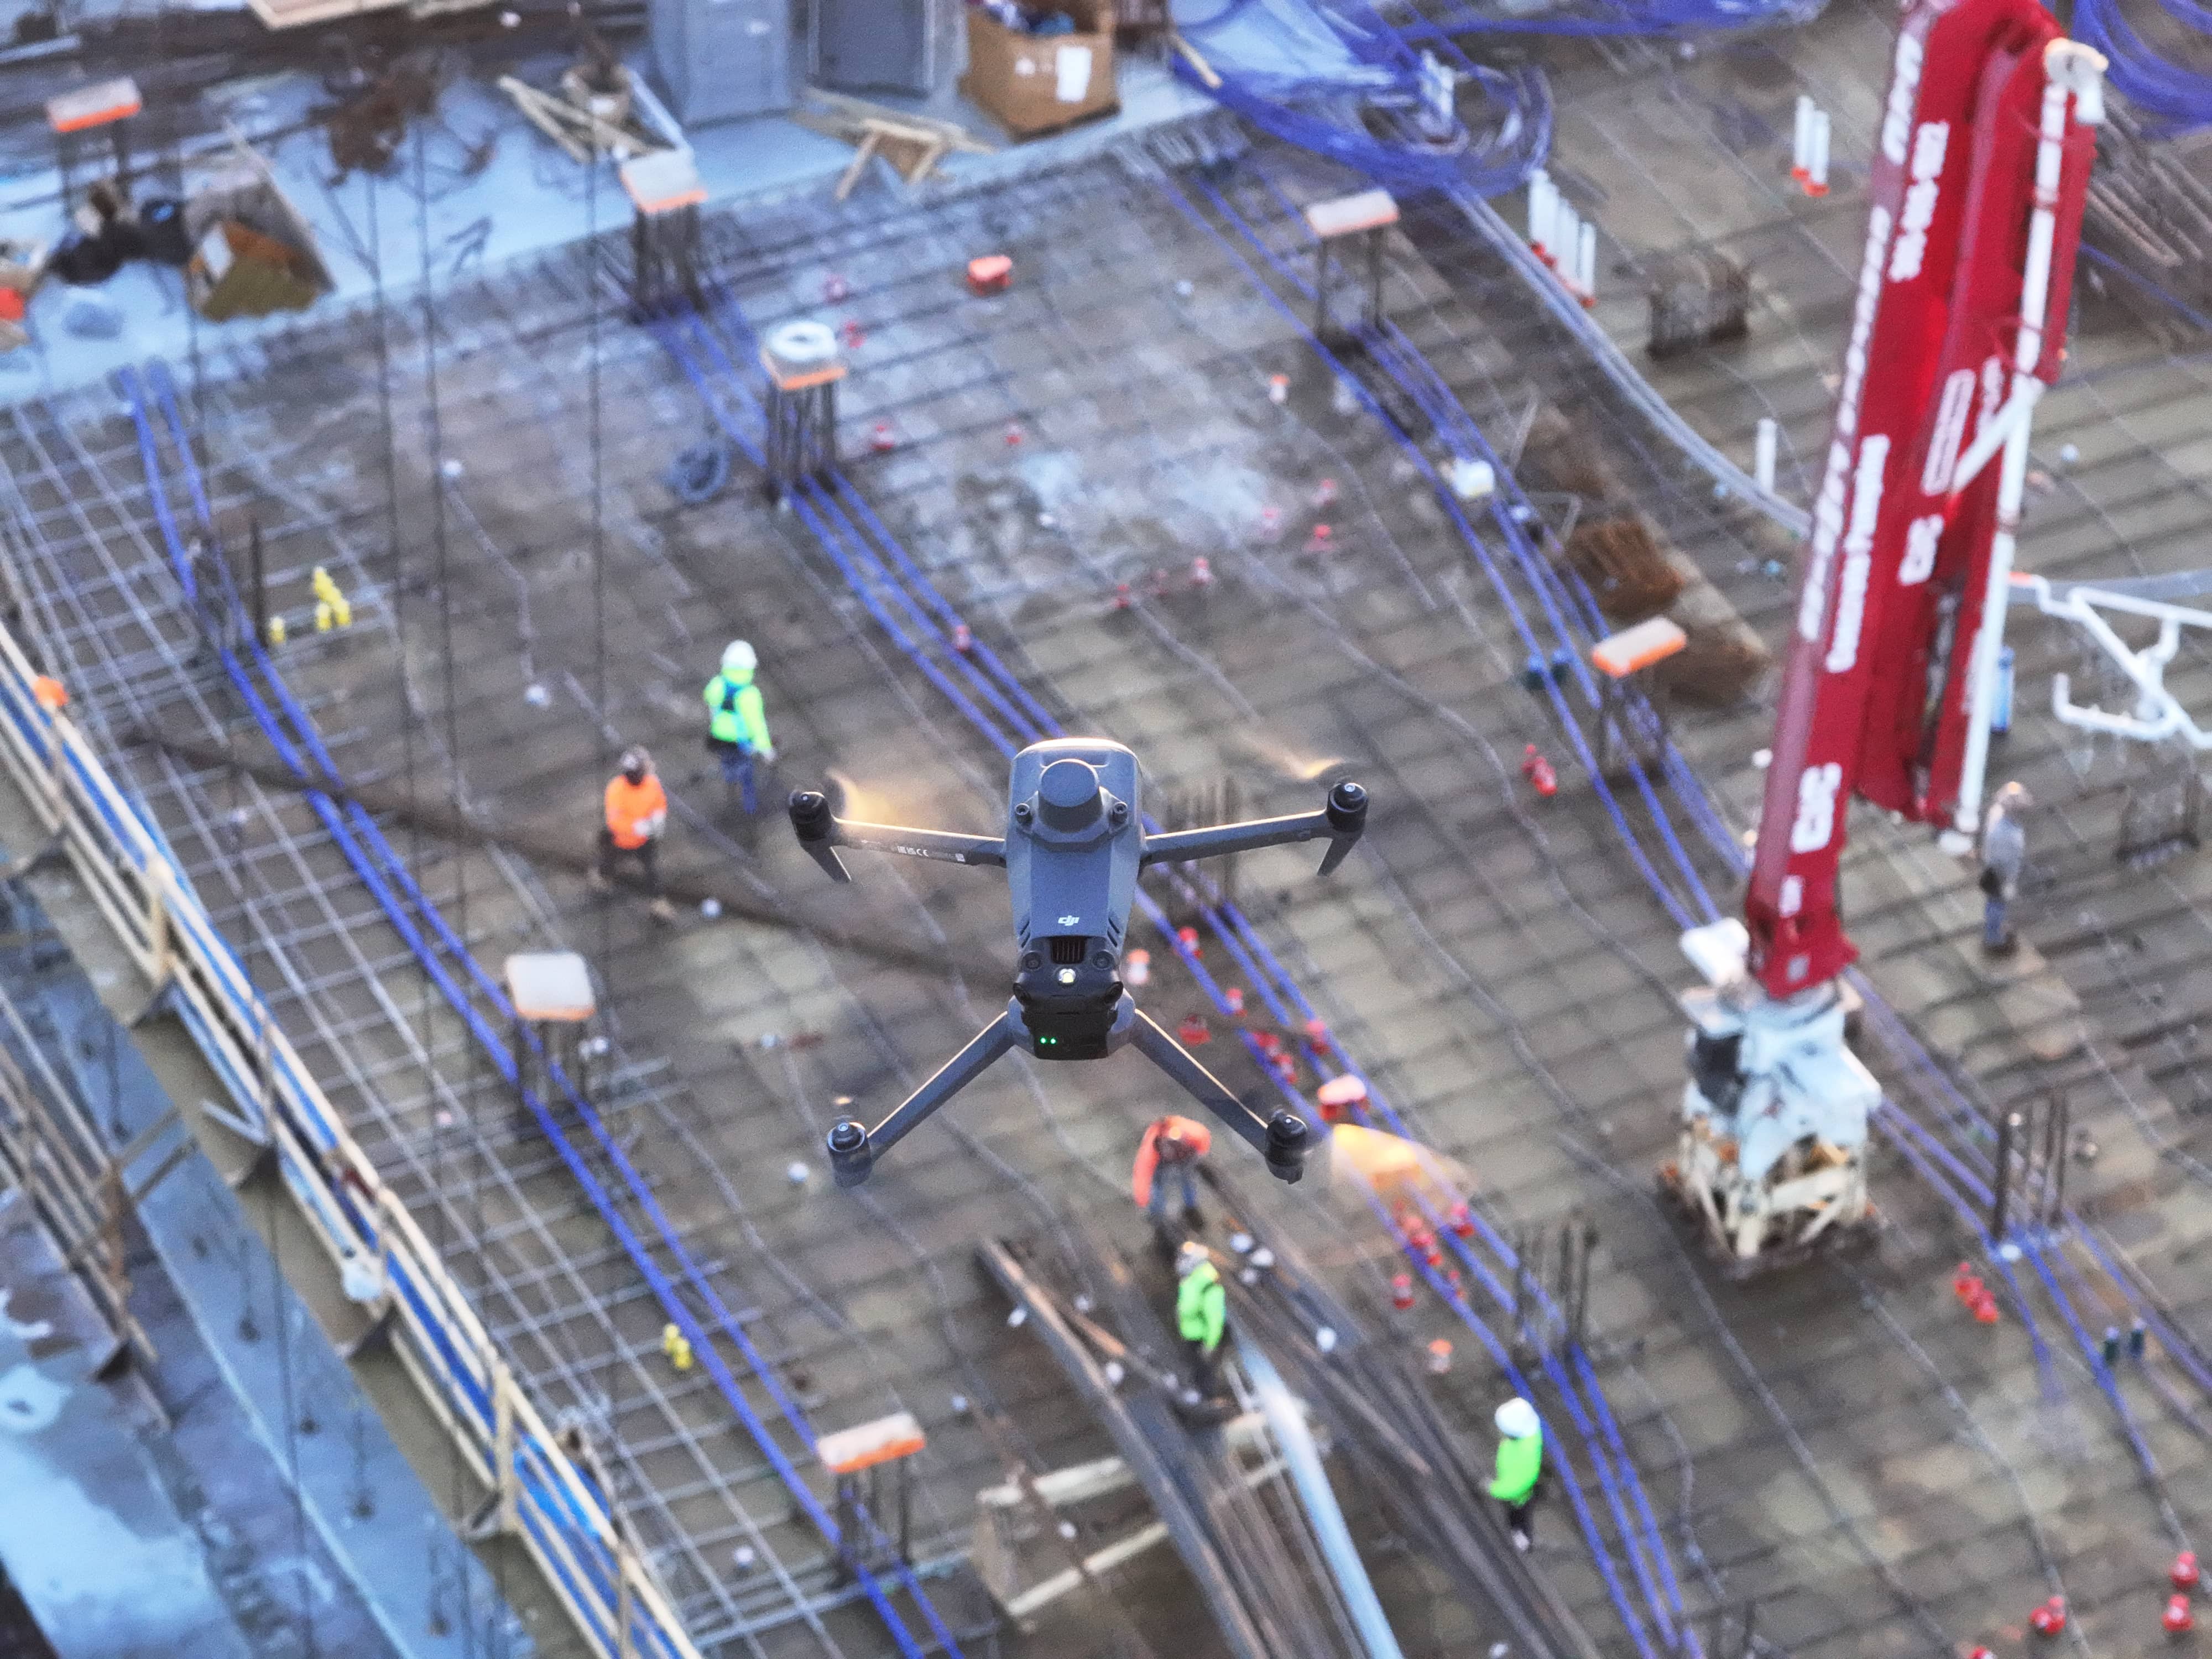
{"type": "Point", "coordinates": [637, 812]}
{"type": "Point", "coordinates": [1520, 1467]}
{"type": "Point", "coordinates": [1169, 1151]}
{"type": "Point", "coordinates": [737, 724]}
{"type": "Point", "coordinates": [2005, 850]}
{"type": "Point", "coordinates": [1201, 1309]}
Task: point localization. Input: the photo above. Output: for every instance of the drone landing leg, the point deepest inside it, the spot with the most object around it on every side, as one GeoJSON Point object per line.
{"type": "Point", "coordinates": [1281, 1140]}
{"type": "Point", "coordinates": [852, 1146]}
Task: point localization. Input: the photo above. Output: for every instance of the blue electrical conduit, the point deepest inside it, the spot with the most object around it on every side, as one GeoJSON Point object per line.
{"type": "Point", "coordinates": [840, 556]}
{"type": "Point", "coordinates": [1450, 504]}
{"type": "Point", "coordinates": [1903, 1131]}
{"type": "Point", "coordinates": [540, 1492]}
{"type": "Point", "coordinates": [1030, 720]}
{"type": "Point", "coordinates": [458, 1365]}
{"type": "Point", "coordinates": [631, 1177]}
{"type": "Point", "coordinates": [1413, 374]}
{"type": "Point", "coordinates": [321, 805]}
{"type": "Point", "coordinates": [805, 503]}
{"type": "Point", "coordinates": [497, 996]}
{"type": "Point", "coordinates": [1229, 934]}
{"type": "Point", "coordinates": [1245, 944]}
{"type": "Point", "coordinates": [2169, 98]}
{"type": "Point", "coordinates": [1650, 1540]}
{"type": "Point", "coordinates": [1264, 68]}
{"type": "Point", "coordinates": [1676, 770]}
{"type": "Point", "coordinates": [503, 1061]}
{"type": "Point", "coordinates": [1688, 787]}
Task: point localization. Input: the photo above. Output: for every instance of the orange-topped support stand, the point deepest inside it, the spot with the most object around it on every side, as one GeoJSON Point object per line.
{"type": "Point", "coordinates": [1367, 215]}
{"type": "Point", "coordinates": [552, 994]}
{"type": "Point", "coordinates": [803, 370]}
{"type": "Point", "coordinates": [1622, 661]}
{"type": "Point", "coordinates": [867, 1449]}
{"type": "Point", "coordinates": [665, 189]}
{"type": "Point", "coordinates": [96, 104]}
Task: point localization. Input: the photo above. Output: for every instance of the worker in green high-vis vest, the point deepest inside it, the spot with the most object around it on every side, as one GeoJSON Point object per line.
{"type": "Point", "coordinates": [1201, 1309]}
{"type": "Point", "coordinates": [1520, 1465]}
{"type": "Point", "coordinates": [737, 724]}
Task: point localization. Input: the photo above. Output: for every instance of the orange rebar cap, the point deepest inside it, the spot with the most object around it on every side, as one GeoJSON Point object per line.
{"type": "Point", "coordinates": [991, 273]}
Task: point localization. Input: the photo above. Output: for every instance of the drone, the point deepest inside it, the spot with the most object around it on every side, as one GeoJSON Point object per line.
{"type": "Point", "coordinates": [1075, 842]}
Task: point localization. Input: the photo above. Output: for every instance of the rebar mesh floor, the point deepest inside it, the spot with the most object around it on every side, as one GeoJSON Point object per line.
{"type": "Point", "coordinates": [1839, 1444]}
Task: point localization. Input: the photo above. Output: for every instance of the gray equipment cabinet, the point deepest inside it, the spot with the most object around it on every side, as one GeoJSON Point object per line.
{"type": "Point", "coordinates": [880, 45]}
{"type": "Point", "coordinates": [722, 60]}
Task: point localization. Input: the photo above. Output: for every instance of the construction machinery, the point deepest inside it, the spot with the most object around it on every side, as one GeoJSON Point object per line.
{"type": "Point", "coordinates": [1976, 190]}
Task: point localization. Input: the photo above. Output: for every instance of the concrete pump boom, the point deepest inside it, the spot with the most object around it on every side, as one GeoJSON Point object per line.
{"type": "Point", "coordinates": [1975, 194]}
{"type": "Point", "coordinates": [1975, 198]}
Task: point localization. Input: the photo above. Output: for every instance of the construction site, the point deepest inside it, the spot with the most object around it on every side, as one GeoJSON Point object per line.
{"type": "Point", "coordinates": [415, 1242]}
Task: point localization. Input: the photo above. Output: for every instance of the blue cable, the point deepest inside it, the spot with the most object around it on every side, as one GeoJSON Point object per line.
{"type": "Point", "coordinates": [839, 555]}
{"type": "Point", "coordinates": [504, 1062]}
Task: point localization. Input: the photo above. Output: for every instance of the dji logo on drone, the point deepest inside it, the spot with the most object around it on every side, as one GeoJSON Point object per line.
{"type": "Point", "coordinates": [1069, 921]}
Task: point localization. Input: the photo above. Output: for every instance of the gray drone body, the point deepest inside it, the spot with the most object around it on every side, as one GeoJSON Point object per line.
{"type": "Point", "coordinates": [1074, 844]}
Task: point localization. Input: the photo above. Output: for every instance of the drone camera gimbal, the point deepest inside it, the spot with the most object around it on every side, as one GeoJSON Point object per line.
{"type": "Point", "coordinates": [1074, 845]}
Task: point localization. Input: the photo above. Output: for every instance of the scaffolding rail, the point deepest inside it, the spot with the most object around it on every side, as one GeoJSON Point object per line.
{"type": "Point", "coordinates": [536, 1492]}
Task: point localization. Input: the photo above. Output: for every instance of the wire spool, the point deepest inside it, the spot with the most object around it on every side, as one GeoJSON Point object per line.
{"type": "Point", "coordinates": [699, 473]}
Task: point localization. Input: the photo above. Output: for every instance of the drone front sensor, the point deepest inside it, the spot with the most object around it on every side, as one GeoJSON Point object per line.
{"type": "Point", "coordinates": [1074, 845]}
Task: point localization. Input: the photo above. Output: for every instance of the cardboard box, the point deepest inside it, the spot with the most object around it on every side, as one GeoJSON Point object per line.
{"type": "Point", "coordinates": [1039, 83]}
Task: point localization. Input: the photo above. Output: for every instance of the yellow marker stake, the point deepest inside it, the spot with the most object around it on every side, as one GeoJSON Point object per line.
{"type": "Point", "coordinates": [322, 615]}
{"type": "Point", "coordinates": [276, 630]}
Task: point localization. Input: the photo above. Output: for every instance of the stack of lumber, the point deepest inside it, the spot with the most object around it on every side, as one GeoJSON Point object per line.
{"type": "Point", "coordinates": [582, 122]}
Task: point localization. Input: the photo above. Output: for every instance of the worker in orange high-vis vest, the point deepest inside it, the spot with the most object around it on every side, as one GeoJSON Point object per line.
{"type": "Point", "coordinates": [637, 812]}
{"type": "Point", "coordinates": [1169, 1154]}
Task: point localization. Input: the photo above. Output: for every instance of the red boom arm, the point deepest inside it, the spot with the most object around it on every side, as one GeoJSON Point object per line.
{"type": "Point", "coordinates": [1875, 694]}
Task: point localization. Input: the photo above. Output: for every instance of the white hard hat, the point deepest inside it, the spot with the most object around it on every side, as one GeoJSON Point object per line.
{"type": "Point", "coordinates": [635, 759]}
{"type": "Point", "coordinates": [737, 658]}
{"type": "Point", "coordinates": [1517, 1420]}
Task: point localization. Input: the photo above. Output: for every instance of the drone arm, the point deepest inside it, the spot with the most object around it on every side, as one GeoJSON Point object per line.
{"type": "Point", "coordinates": [1341, 820]}
{"type": "Point", "coordinates": [853, 1147]}
{"type": "Point", "coordinates": [1281, 1140]}
{"type": "Point", "coordinates": [921, 843]}
{"type": "Point", "coordinates": [822, 832]}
